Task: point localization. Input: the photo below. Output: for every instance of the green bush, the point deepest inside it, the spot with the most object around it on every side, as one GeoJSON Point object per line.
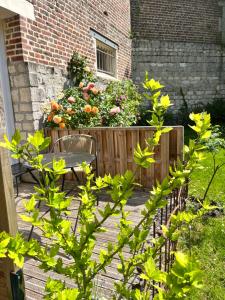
{"type": "Point", "coordinates": [78, 70]}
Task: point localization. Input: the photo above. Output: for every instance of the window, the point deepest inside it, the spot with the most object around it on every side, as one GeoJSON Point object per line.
{"type": "Point", "coordinates": [105, 54]}
{"type": "Point", "coordinates": [106, 59]}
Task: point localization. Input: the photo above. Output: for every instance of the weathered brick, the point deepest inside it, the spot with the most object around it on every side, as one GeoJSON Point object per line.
{"type": "Point", "coordinates": [52, 40]}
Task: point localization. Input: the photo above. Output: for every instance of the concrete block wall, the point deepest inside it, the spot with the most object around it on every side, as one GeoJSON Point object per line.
{"type": "Point", "coordinates": [181, 44]}
{"type": "Point", "coordinates": [197, 68]}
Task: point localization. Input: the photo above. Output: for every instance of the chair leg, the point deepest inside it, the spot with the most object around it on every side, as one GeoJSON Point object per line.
{"type": "Point", "coordinates": [75, 174]}
{"type": "Point", "coordinates": [63, 182]}
{"type": "Point", "coordinates": [33, 176]}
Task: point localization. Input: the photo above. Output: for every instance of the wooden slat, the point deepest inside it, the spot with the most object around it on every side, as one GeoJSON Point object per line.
{"type": "Point", "coordinates": [165, 156]}
{"type": "Point", "coordinates": [120, 151]}
{"type": "Point", "coordinates": [110, 149]}
{"type": "Point", "coordinates": [132, 138]}
{"type": "Point", "coordinates": [54, 138]}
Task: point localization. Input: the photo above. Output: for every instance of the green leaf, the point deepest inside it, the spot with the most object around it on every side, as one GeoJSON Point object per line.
{"type": "Point", "coordinates": [30, 205]}
{"type": "Point", "coordinates": [37, 139]}
{"type": "Point", "coordinates": [152, 84]}
{"type": "Point", "coordinates": [16, 138]}
{"type": "Point", "coordinates": [182, 259]}
{"type": "Point", "coordinates": [4, 243]}
{"type": "Point", "coordinates": [165, 101]}
{"type": "Point", "coordinates": [166, 129]}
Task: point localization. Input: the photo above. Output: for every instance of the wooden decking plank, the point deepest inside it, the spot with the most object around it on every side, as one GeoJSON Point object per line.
{"type": "Point", "coordinates": [35, 278]}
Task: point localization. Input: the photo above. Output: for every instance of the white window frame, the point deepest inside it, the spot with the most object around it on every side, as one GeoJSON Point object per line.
{"type": "Point", "coordinates": [109, 56]}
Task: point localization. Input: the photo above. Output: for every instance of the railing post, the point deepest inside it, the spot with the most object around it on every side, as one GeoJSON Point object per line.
{"type": "Point", "coordinates": [8, 220]}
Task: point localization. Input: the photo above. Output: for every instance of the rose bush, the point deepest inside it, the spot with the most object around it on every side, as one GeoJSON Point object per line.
{"type": "Point", "coordinates": [88, 106]}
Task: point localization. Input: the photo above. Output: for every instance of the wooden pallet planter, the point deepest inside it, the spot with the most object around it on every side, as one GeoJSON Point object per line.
{"type": "Point", "coordinates": [115, 148]}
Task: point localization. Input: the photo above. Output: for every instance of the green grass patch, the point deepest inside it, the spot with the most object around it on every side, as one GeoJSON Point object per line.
{"type": "Point", "coordinates": [200, 179]}
{"type": "Point", "coordinates": [208, 247]}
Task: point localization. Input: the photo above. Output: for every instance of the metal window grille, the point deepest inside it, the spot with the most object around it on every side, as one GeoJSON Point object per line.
{"type": "Point", "coordinates": [106, 58]}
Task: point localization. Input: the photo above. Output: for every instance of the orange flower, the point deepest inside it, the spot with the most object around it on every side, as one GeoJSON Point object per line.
{"type": "Point", "coordinates": [81, 84]}
{"type": "Point", "coordinates": [57, 119]}
{"type": "Point", "coordinates": [49, 118]}
{"type": "Point", "coordinates": [94, 90]}
{"type": "Point", "coordinates": [94, 110]}
{"type": "Point", "coordinates": [87, 108]}
{"type": "Point", "coordinates": [62, 125]}
{"type": "Point", "coordinates": [54, 105]}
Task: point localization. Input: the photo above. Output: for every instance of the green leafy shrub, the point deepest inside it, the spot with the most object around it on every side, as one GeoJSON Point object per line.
{"type": "Point", "coordinates": [121, 104]}
{"type": "Point", "coordinates": [87, 106]}
{"type": "Point", "coordinates": [177, 283]}
{"type": "Point", "coordinates": [78, 69]}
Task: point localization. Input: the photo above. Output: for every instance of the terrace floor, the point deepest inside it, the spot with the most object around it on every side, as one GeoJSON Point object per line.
{"type": "Point", "coordinates": [35, 278]}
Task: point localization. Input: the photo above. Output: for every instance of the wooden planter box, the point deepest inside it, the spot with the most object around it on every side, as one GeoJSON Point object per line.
{"type": "Point", "coordinates": [115, 148]}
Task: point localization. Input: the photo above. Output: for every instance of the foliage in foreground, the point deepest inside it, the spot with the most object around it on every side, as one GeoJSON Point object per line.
{"type": "Point", "coordinates": [83, 269]}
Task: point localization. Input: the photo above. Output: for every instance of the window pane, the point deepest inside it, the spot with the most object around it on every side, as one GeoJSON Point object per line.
{"type": "Point", "coordinates": [106, 61]}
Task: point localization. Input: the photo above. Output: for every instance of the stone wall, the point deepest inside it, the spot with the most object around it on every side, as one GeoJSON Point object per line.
{"type": "Point", "coordinates": [196, 68]}
{"type": "Point", "coordinates": [45, 82]}
{"type": "Point", "coordinates": [21, 97]}
{"type": "Point", "coordinates": [31, 85]}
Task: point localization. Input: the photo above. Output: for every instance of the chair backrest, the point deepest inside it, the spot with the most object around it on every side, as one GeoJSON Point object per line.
{"type": "Point", "coordinates": [77, 143]}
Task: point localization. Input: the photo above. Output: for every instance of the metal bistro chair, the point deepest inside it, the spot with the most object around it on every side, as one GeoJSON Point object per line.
{"type": "Point", "coordinates": [82, 144]}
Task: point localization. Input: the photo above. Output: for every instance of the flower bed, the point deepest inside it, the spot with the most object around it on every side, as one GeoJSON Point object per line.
{"type": "Point", "coordinates": [88, 106]}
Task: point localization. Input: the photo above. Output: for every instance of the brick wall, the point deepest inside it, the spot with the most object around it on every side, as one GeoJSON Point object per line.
{"type": "Point", "coordinates": [64, 26]}
{"type": "Point", "coordinates": [177, 20]}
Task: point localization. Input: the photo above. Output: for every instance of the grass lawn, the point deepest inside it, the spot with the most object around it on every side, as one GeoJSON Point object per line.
{"type": "Point", "coordinates": [208, 235]}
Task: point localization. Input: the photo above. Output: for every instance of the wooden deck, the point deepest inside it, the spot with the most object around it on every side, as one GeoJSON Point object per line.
{"type": "Point", "coordinates": [35, 278]}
